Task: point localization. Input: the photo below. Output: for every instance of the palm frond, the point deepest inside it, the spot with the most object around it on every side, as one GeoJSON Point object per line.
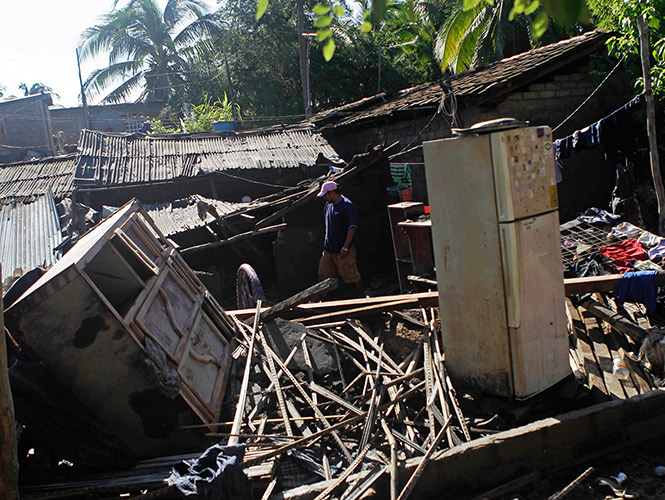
{"type": "Point", "coordinates": [125, 90]}
{"type": "Point", "coordinates": [458, 30]}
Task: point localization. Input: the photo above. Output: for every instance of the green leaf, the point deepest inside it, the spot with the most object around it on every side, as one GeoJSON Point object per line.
{"type": "Point", "coordinates": [654, 23]}
{"type": "Point", "coordinates": [261, 7]}
{"type": "Point", "coordinates": [321, 9]}
{"type": "Point", "coordinates": [512, 14]}
{"type": "Point", "coordinates": [323, 22]}
{"type": "Point", "coordinates": [329, 49]}
{"type": "Point", "coordinates": [366, 27]}
{"type": "Point", "coordinates": [379, 8]}
{"type": "Point", "coordinates": [540, 24]}
{"type": "Point", "coordinates": [323, 35]}
{"type": "Point", "coordinates": [470, 4]}
{"type": "Point", "coordinates": [567, 12]}
{"type": "Point", "coordinates": [531, 8]}
{"type": "Point", "coordinates": [339, 10]}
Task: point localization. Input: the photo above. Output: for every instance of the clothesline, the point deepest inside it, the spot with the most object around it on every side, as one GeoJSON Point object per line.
{"type": "Point", "coordinates": [609, 127]}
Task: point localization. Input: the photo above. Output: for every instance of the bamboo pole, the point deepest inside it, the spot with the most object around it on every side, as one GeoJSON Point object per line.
{"type": "Point", "coordinates": [8, 457]}
{"type": "Point", "coordinates": [651, 123]}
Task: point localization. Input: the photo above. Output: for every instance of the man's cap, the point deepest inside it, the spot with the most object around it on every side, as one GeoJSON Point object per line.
{"type": "Point", "coordinates": [327, 187]}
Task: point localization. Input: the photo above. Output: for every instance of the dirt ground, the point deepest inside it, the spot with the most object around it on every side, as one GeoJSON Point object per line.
{"type": "Point", "coordinates": [637, 463]}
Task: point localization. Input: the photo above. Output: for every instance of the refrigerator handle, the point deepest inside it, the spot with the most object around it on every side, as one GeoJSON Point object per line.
{"type": "Point", "coordinates": [511, 273]}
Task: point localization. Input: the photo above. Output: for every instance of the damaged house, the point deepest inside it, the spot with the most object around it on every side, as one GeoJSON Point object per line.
{"type": "Point", "coordinates": [543, 86]}
{"type": "Point", "coordinates": [512, 382]}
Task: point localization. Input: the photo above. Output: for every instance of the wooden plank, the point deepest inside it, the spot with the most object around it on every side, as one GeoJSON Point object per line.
{"type": "Point", "coordinates": [8, 457]}
{"type": "Point", "coordinates": [591, 284]}
{"type": "Point", "coordinates": [603, 356]}
{"type": "Point", "coordinates": [408, 488]}
{"type": "Point", "coordinates": [593, 371]}
{"type": "Point", "coordinates": [240, 406]}
{"type": "Point", "coordinates": [629, 386]}
{"type": "Point", "coordinates": [394, 478]}
{"type": "Point", "coordinates": [425, 299]}
{"type": "Point", "coordinates": [641, 380]}
{"type": "Point", "coordinates": [361, 311]}
{"type": "Point", "coordinates": [617, 321]}
{"type": "Point", "coordinates": [310, 293]}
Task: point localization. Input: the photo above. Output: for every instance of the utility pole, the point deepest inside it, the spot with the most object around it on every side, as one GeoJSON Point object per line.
{"type": "Point", "coordinates": [83, 98]}
{"type": "Point", "coordinates": [233, 97]}
{"type": "Point", "coordinates": [651, 123]}
{"type": "Point", "coordinates": [303, 49]}
{"type": "Point", "coordinates": [8, 459]}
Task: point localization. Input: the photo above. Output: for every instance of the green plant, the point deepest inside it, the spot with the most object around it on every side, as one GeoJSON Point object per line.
{"type": "Point", "coordinates": [159, 128]}
{"type": "Point", "coordinates": [203, 115]}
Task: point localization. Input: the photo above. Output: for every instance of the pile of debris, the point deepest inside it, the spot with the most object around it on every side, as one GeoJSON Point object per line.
{"type": "Point", "coordinates": [332, 409]}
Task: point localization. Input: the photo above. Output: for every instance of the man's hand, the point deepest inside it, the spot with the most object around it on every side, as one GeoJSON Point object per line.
{"type": "Point", "coordinates": [343, 253]}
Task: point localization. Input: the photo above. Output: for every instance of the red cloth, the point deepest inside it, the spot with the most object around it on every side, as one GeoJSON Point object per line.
{"type": "Point", "coordinates": [624, 253]}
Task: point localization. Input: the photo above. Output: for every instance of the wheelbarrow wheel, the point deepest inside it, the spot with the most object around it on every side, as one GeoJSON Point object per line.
{"type": "Point", "coordinates": [248, 287]}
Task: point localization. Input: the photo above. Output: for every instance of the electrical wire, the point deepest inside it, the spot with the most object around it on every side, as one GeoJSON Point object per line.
{"type": "Point", "coordinates": [590, 95]}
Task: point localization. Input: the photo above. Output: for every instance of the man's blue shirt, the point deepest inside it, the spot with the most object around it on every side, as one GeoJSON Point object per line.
{"type": "Point", "coordinates": [340, 217]}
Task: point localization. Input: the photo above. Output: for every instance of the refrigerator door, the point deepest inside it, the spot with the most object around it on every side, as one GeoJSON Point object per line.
{"type": "Point", "coordinates": [469, 270]}
{"type": "Point", "coordinates": [533, 284]}
{"type": "Point", "coordinates": [524, 175]}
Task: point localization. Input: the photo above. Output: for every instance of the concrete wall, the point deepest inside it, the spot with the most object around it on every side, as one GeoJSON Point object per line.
{"type": "Point", "coordinates": [588, 179]}
{"type": "Point", "coordinates": [25, 128]}
{"type": "Point", "coordinates": [111, 118]}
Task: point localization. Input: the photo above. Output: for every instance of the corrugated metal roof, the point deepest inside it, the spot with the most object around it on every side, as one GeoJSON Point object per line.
{"type": "Point", "coordinates": [177, 216]}
{"type": "Point", "coordinates": [25, 180]}
{"type": "Point", "coordinates": [113, 159]}
{"type": "Point", "coordinates": [29, 234]}
{"type": "Point", "coordinates": [470, 86]}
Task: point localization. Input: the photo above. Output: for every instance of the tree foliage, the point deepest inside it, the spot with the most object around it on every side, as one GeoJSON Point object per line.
{"type": "Point", "coordinates": [36, 88]}
{"type": "Point", "coordinates": [621, 16]}
{"type": "Point", "coordinates": [150, 51]}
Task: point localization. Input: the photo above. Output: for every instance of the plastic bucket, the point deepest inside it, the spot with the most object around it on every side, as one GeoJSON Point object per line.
{"type": "Point", "coordinates": [404, 194]}
{"type": "Point", "coordinates": [223, 126]}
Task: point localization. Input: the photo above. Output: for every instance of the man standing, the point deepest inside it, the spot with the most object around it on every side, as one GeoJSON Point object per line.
{"type": "Point", "coordinates": [339, 254]}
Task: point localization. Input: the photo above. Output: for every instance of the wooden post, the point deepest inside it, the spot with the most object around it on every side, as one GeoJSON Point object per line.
{"type": "Point", "coordinates": [8, 459]}
{"type": "Point", "coordinates": [303, 50]}
{"type": "Point", "coordinates": [651, 123]}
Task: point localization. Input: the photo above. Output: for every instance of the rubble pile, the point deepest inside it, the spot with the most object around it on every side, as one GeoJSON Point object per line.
{"type": "Point", "coordinates": [328, 406]}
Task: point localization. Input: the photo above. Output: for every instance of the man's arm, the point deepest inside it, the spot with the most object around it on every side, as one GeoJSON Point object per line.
{"type": "Point", "coordinates": [347, 243]}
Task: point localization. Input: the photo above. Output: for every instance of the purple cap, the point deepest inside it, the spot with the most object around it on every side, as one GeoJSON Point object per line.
{"type": "Point", "coordinates": [327, 187]}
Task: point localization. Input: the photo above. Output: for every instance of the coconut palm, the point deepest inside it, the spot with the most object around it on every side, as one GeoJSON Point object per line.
{"type": "Point", "coordinates": [149, 50]}
{"type": "Point", "coordinates": [36, 88]}
{"type": "Point", "coordinates": [480, 35]}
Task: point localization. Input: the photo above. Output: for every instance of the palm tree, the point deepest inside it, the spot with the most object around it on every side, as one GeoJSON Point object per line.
{"type": "Point", "coordinates": [149, 50]}
{"type": "Point", "coordinates": [480, 35]}
{"type": "Point", "coordinates": [36, 88]}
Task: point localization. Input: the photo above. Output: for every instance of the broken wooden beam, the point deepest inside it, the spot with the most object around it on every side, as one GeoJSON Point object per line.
{"type": "Point", "coordinates": [232, 240]}
{"type": "Point", "coordinates": [310, 293]}
{"type": "Point", "coordinates": [616, 320]}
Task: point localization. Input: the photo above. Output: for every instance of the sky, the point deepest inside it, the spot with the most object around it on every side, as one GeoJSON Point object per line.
{"type": "Point", "coordinates": [38, 40]}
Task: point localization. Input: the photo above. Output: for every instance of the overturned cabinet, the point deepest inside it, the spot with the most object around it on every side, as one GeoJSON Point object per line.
{"type": "Point", "coordinates": [124, 324]}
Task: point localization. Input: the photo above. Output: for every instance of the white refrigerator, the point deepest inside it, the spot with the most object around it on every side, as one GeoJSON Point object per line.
{"type": "Point", "coordinates": [497, 250]}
